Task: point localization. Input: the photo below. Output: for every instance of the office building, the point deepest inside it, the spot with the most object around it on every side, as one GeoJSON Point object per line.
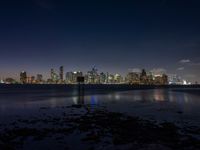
{"type": "Point", "coordinates": [61, 73]}
{"type": "Point", "coordinates": [23, 77]}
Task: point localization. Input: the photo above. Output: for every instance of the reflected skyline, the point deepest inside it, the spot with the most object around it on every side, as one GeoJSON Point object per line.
{"type": "Point", "coordinates": [146, 103]}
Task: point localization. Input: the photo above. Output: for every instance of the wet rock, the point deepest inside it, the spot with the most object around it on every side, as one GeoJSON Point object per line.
{"type": "Point", "coordinates": [119, 129]}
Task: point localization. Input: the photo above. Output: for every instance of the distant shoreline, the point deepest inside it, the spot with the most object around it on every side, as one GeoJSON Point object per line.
{"type": "Point", "coordinates": [96, 86]}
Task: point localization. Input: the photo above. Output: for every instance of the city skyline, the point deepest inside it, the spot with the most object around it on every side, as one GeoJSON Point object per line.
{"type": "Point", "coordinates": [95, 76]}
{"type": "Point", "coordinates": [99, 74]}
{"type": "Point", "coordinates": [115, 36]}
{"type": "Point", "coordinates": [46, 75]}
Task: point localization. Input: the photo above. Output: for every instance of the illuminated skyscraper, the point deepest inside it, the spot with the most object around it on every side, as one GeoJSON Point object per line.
{"type": "Point", "coordinates": [61, 73]}
{"type": "Point", "coordinates": [118, 78]}
{"type": "Point", "coordinates": [52, 74]}
{"type": "Point", "coordinates": [23, 77]}
{"type": "Point", "coordinates": [69, 77]}
{"type": "Point", "coordinates": [102, 77]}
{"type": "Point", "coordinates": [133, 78]}
{"type": "Point", "coordinates": [92, 76]}
{"type": "Point", "coordinates": [107, 76]}
{"type": "Point", "coordinates": [111, 78]}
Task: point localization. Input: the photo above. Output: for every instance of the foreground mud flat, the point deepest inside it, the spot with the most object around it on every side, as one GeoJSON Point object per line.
{"type": "Point", "coordinates": [93, 128]}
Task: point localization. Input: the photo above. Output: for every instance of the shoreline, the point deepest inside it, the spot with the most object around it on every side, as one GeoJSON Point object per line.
{"type": "Point", "coordinates": [101, 85]}
{"type": "Point", "coordinates": [74, 89]}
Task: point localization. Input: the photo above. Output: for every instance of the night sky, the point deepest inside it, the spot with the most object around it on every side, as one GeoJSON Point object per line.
{"type": "Point", "coordinates": [37, 35]}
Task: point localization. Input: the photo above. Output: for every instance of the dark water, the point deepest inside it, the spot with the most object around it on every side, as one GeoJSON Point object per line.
{"type": "Point", "coordinates": [159, 105]}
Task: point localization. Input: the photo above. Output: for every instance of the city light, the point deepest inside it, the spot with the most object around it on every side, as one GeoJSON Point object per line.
{"type": "Point", "coordinates": [133, 77]}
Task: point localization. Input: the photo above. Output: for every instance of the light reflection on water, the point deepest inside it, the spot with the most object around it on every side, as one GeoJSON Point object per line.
{"type": "Point", "coordinates": [158, 95]}
{"type": "Point", "coordinates": [157, 104]}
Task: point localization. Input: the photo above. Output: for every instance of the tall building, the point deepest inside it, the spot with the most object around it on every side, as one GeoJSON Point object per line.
{"type": "Point", "coordinates": [30, 79]}
{"type": "Point", "coordinates": [61, 73]}
{"type": "Point", "coordinates": [111, 78]}
{"type": "Point", "coordinates": [102, 77]}
{"type": "Point", "coordinates": [92, 76]}
{"type": "Point", "coordinates": [164, 79]}
{"type": "Point", "coordinates": [107, 76]}
{"type": "Point", "coordinates": [118, 78]}
{"type": "Point", "coordinates": [174, 79]}
{"type": "Point", "coordinates": [76, 74]}
{"type": "Point", "coordinates": [133, 78]}
{"type": "Point", "coordinates": [160, 79]}
{"type": "Point", "coordinates": [54, 76]}
{"type": "Point", "coordinates": [150, 78]}
{"type": "Point", "coordinates": [69, 77]}
{"type": "Point", "coordinates": [143, 77]}
{"type": "Point", "coordinates": [39, 78]}
{"type": "Point", "coordinates": [23, 77]}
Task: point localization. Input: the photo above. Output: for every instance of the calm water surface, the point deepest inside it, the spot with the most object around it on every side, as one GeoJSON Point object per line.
{"type": "Point", "coordinates": [159, 104]}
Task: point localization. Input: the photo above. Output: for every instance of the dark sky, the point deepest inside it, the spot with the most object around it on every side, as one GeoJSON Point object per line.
{"type": "Point", "coordinates": [36, 35]}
